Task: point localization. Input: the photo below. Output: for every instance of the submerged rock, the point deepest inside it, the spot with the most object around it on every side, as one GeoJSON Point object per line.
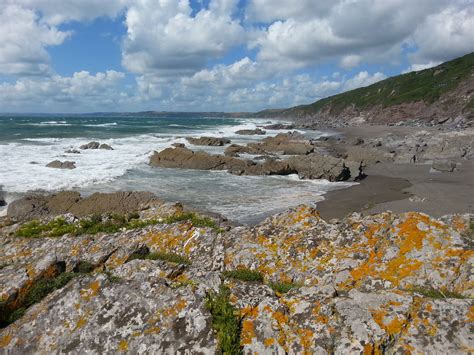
{"type": "Point", "coordinates": [209, 141]}
{"type": "Point", "coordinates": [105, 147]}
{"type": "Point", "coordinates": [57, 164]}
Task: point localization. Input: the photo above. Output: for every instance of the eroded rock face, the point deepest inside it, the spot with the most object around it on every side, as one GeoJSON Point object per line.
{"type": "Point", "coordinates": [251, 132]}
{"type": "Point", "coordinates": [316, 166]}
{"type": "Point", "coordinates": [358, 286]}
{"type": "Point", "coordinates": [209, 141]}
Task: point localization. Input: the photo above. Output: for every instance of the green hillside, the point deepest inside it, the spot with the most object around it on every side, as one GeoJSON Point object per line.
{"type": "Point", "coordinates": [426, 85]}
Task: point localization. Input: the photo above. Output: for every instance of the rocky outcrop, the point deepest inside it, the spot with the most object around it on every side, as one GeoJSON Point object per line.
{"type": "Point", "coordinates": [184, 158]}
{"type": "Point", "coordinates": [38, 206]}
{"type": "Point", "coordinates": [57, 164]}
{"type": "Point", "coordinates": [283, 143]}
{"type": "Point", "coordinates": [209, 141]}
{"type": "Point", "coordinates": [387, 282]}
{"type": "Point", "coordinates": [72, 151]}
{"type": "Point", "coordinates": [278, 126]}
{"type": "Point", "coordinates": [312, 166]}
{"type": "Point", "coordinates": [251, 132]}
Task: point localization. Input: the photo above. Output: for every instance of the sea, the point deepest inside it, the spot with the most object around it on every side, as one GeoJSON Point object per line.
{"type": "Point", "coordinates": [28, 143]}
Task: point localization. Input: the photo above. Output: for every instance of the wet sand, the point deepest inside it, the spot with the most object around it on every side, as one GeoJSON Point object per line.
{"type": "Point", "coordinates": [402, 187]}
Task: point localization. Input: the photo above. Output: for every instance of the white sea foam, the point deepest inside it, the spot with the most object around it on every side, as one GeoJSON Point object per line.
{"type": "Point", "coordinates": [102, 124]}
{"type": "Point", "coordinates": [24, 165]}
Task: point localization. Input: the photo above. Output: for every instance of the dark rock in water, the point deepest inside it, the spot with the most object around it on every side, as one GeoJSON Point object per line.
{"type": "Point", "coordinates": [444, 165]}
{"type": "Point", "coordinates": [2, 202]}
{"type": "Point", "coordinates": [184, 158]}
{"type": "Point", "coordinates": [56, 164]}
{"type": "Point", "coordinates": [279, 126]}
{"type": "Point", "coordinates": [91, 145]}
{"type": "Point", "coordinates": [178, 145]}
{"type": "Point", "coordinates": [251, 132]}
{"type": "Point", "coordinates": [37, 206]}
{"type": "Point", "coordinates": [72, 151]}
{"type": "Point", "coordinates": [209, 141]}
{"type": "Point", "coordinates": [105, 147]}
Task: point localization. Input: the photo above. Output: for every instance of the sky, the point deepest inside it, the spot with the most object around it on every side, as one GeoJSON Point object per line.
{"type": "Point", "coordinates": [73, 56]}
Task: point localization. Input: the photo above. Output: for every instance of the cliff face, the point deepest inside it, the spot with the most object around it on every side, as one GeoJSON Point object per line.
{"type": "Point", "coordinates": [443, 94]}
{"type": "Point", "coordinates": [363, 284]}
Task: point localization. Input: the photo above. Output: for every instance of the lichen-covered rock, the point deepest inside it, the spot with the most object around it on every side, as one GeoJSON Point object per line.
{"type": "Point", "coordinates": [383, 283]}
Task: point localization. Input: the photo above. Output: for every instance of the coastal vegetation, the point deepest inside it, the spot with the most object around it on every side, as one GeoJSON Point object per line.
{"type": "Point", "coordinates": [225, 321]}
{"type": "Point", "coordinates": [244, 275]}
{"type": "Point", "coordinates": [426, 85]}
{"type": "Point", "coordinates": [108, 223]}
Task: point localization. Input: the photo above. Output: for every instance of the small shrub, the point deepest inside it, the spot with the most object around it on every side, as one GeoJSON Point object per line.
{"type": "Point", "coordinates": [435, 293]}
{"type": "Point", "coordinates": [244, 275]}
{"type": "Point", "coordinates": [225, 321]}
{"type": "Point", "coordinates": [282, 287]}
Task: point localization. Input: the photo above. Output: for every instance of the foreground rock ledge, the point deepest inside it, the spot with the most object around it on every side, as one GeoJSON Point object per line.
{"type": "Point", "coordinates": [356, 281]}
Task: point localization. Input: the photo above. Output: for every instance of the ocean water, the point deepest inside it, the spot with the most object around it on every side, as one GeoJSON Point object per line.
{"type": "Point", "coordinates": [27, 144]}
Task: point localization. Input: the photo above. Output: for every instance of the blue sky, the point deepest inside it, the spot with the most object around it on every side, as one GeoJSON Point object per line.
{"type": "Point", "coordinates": [215, 55]}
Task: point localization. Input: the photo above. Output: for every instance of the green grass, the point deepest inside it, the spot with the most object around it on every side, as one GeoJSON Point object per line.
{"type": "Point", "coordinates": [283, 287]}
{"type": "Point", "coordinates": [111, 223]}
{"type": "Point", "coordinates": [435, 293]}
{"type": "Point", "coordinates": [225, 321]}
{"type": "Point", "coordinates": [426, 85]}
{"type": "Point", "coordinates": [168, 257]}
{"type": "Point", "coordinates": [35, 294]}
{"type": "Point", "coordinates": [244, 275]}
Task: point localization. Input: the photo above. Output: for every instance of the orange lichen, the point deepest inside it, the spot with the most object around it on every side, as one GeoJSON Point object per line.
{"type": "Point", "coordinates": [91, 291]}
{"type": "Point", "coordinates": [470, 315]}
{"type": "Point", "coordinates": [5, 340]}
{"type": "Point", "coordinates": [248, 332]}
{"type": "Point", "coordinates": [268, 342]}
{"type": "Point", "coordinates": [80, 323]}
{"type": "Point", "coordinates": [123, 346]}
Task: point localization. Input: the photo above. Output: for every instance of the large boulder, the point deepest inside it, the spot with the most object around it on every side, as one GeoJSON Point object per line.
{"type": "Point", "coordinates": [105, 147]}
{"type": "Point", "coordinates": [316, 166]}
{"type": "Point", "coordinates": [209, 141]}
{"type": "Point", "coordinates": [236, 149]}
{"type": "Point", "coordinates": [57, 164]}
{"type": "Point", "coordinates": [38, 206]}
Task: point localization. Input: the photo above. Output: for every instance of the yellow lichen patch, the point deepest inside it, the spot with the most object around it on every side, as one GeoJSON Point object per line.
{"type": "Point", "coordinates": [306, 339]}
{"type": "Point", "coordinates": [5, 340]}
{"type": "Point", "coordinates": [248, 332]}
{"type": "Point", "coordinates": [393, 326]}
{"type": "Point", "coordinates": [116, 260]}
{"type": "Point", "coordinates": [81, 322]}
{"type": "Point", "coordinates": [123, 346]}
{"type": "Point", "coordinates": [91, 291]}
{"type": "Point", "coordinates": [268, 342]}
{"type": "Point", "coordinates": [470, 315]}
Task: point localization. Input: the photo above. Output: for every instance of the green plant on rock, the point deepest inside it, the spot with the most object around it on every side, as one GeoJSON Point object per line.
{"type": "Point", "coordinates": [225, 321]}
{"type": "Point", "coordinates": [435, 293]}
{"type": "Point", "coordinates": [283, 287]}
{"type": "Point", "coordinates": [244, 275]}
{"type": "Point", "coordinates": [109, 223]}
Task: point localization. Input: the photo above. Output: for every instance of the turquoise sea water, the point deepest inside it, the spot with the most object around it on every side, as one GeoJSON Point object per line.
{"type": "Point", "coordinates": [27, 144]}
